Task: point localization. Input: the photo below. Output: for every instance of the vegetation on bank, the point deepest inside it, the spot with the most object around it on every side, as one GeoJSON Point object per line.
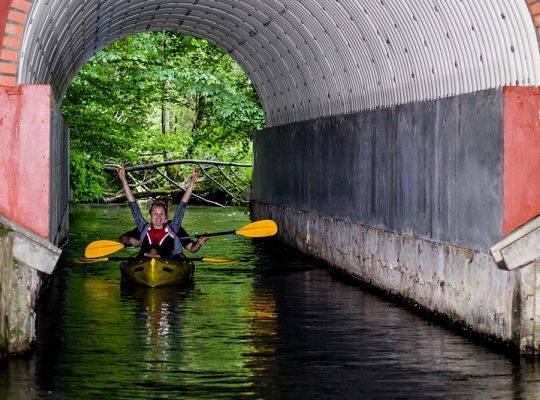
{"type": "Point", "coordinates": [155, 97]}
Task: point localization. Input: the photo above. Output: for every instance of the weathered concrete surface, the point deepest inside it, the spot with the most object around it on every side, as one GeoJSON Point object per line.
{"type": "Point", "coordinates": [25, 286]}
{"type": "Point", "coordinates": [527, 312]}
{"type": "Point", "coordinates": [460, 283]}
{"type": "Point", "coordinates": [520, 247]}
{"type": "Point", "coordinates": [6, 267]}
{"type": "Point", "coordinates": [31, 249]}
{"type": "Point", "coordinates": [25, 259]}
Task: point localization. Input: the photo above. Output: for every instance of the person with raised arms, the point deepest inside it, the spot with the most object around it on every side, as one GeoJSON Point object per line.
{"type": "Point", "coordinates": [160, 237]}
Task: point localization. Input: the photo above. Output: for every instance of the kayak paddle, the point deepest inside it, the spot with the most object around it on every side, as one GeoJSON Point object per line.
{"type": "Point", "coordinates": [104, 259]}
{"type": "Point", "coordinates": [262, 228]}
{"type": "Point", "coordinates": [101, 248]}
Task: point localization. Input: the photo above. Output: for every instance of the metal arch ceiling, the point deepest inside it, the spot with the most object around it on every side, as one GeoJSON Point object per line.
{"type": "Point", "coordinates": [308, 58]}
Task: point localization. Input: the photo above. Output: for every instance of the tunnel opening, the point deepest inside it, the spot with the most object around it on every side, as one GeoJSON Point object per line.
{"type": "Point", "coordinates": [160, 97]}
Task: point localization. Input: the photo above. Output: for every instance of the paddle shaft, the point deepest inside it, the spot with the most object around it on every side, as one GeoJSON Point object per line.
{"type": "Point", "coordinates": [131, 258]}
{"type": "Point", "coordinates": [209, 234]}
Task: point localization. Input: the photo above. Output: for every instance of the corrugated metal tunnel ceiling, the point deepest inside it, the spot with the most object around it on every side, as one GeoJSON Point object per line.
{"type": "Point", "coordinates": [308, 58]}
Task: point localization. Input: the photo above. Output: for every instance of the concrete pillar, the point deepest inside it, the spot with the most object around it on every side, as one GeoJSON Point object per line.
{"type": "Point", "coordinates": [25, 260]}
{"type": "Point", "coordinates": [519, 253]}
{"type": "Point", "coordinates": [528, 310]}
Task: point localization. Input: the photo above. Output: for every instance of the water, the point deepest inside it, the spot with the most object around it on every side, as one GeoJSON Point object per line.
{"type": "Point", "coordinates": [273, 325]}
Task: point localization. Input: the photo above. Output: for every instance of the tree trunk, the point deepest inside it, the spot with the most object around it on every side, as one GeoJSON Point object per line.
{"type": "Point", "coordinates": [199, 113]}
{"type": "Point", "coordinates": [165, 111]}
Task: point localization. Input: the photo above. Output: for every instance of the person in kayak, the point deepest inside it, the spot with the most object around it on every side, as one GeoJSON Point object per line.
{"type": "Point", "coordinates": [132, 237]}
{"type": "Point", "coordinates": [159, 237]}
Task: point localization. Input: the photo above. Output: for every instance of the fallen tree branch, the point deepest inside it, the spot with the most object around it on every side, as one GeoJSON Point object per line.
{"type": "Point", "coordinates": [113, 168]}
{"type": "Point", "coordinates": [140, 177]}
{"type": "Point", "coordinates": [183, 189]}
{"type": "Point", "coordinates": [221, 186]}
{"type": "Point", "coordinates": [229, 179]}
{"type": "Point", "coordinates": [141, 195]}
{"type": "Point", "coordinates": [137, 184]}
{"type": "Point", "coordinates": [239, 178]}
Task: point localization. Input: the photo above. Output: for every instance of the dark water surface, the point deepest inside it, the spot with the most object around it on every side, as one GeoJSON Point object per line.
{"type": "Point", "coordinates": [273, 325]}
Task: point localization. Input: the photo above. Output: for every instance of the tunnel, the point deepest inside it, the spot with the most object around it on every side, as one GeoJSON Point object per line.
{"type": "Point", "coordinates": [401, 137]}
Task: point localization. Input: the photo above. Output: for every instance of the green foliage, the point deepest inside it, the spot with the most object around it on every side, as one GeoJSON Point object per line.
{"type": "Point", "coordinates": [88, 175]}
{"type": "Point", "coordinates": [114, 107]}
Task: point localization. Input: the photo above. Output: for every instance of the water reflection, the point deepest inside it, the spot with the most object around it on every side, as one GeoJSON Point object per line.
{"type": "Point", "coordinates": [271, 326]}
{"type": "Point", "coordinates": [337, 341]}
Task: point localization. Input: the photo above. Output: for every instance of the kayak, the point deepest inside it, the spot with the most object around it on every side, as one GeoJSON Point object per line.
{"type": "Point", "coordinates": [154, 272]}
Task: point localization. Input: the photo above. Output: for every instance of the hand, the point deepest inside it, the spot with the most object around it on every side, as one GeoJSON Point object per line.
{"type": "Point", "coordinates": [195, 175]}
{"type": "Point", "coordinates": [196, 245]}
{"type": "Point", "coordinates": [202, 240]}
{"type": "Point", "coordinates": [189, 189]}
{"type": "Point", "coordinates": [134, 242]}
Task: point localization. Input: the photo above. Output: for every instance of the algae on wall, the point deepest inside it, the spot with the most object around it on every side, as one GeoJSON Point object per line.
{"type": "Point", "coordinates": [6, 263]}
{"type": "Point", "coordinates": [4, 230]}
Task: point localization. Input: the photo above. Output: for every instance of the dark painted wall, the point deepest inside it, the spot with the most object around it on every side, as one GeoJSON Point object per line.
{"type": "Point", "coordinates": [432, 169]}
{"type": "Point", "coordinates": [59, 219]}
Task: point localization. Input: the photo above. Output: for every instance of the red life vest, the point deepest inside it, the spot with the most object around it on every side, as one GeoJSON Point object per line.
{"type": "Point", "coordinates": [157, 236]}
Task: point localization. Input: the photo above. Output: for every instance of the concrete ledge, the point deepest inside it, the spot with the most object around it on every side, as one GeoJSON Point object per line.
{"type": "Point", "coordinates": [32, 250]}
{"type": "Point", "coordinates": [460, 283]}
{"type": "Point", "coordinates": [23, 256]}
{"type": "Point", "coordinates": [519, 248]}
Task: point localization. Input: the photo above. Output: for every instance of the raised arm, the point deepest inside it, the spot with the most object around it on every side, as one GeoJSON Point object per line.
{"type": "Point", "coordinates": [193, 178]}
{"type": "Point", "coordinates": [122, 175]}
{"type": "Point", "coordinates": [181, 209]}
{"type": "Point", "coordinates": [135, 211]}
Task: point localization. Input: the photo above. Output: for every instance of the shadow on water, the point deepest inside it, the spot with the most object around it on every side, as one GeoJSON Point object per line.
{"type": "Point", "coordinates": [274, 325]}
{"type": "Point", "coordinates": [271, 251]}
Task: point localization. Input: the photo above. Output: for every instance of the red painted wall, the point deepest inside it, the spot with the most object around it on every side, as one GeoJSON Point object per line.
{"type": "Point", "coordinates": [521, 199]}
{"type": "Point", "coordinates": [4, 11]}
{"type": "Point", "coordinates": [13, 17]}
{"type": "Point", "coordinates": [25, 118]}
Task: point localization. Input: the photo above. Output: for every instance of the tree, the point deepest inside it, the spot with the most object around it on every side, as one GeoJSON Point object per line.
{"type": "Point", "coordinates": [156, 95]}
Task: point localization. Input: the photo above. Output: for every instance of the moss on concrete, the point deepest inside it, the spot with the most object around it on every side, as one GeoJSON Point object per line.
{"type": "Point", "coordinates": [16, 332]}
{"type": "Point", "coordinates": [3, 348]}
{"type": "Point", "coordinates": [4, 230]}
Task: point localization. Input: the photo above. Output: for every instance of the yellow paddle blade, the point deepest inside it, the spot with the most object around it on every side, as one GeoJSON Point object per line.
{"type": "Point", "coordinates": [101, 248]}
{"type": "Point", "coordinates": [216, 260]}
{"type": "Point", "coordinates": [262, 228]}
{"type": "Point", "coordinates": [89, 260]}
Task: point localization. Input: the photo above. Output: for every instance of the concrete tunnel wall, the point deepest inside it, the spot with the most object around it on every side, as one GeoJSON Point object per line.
{"type": "Point", "coordinates": [410, 198]}
{"type": "Point", "coordinates": [430, 169]}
